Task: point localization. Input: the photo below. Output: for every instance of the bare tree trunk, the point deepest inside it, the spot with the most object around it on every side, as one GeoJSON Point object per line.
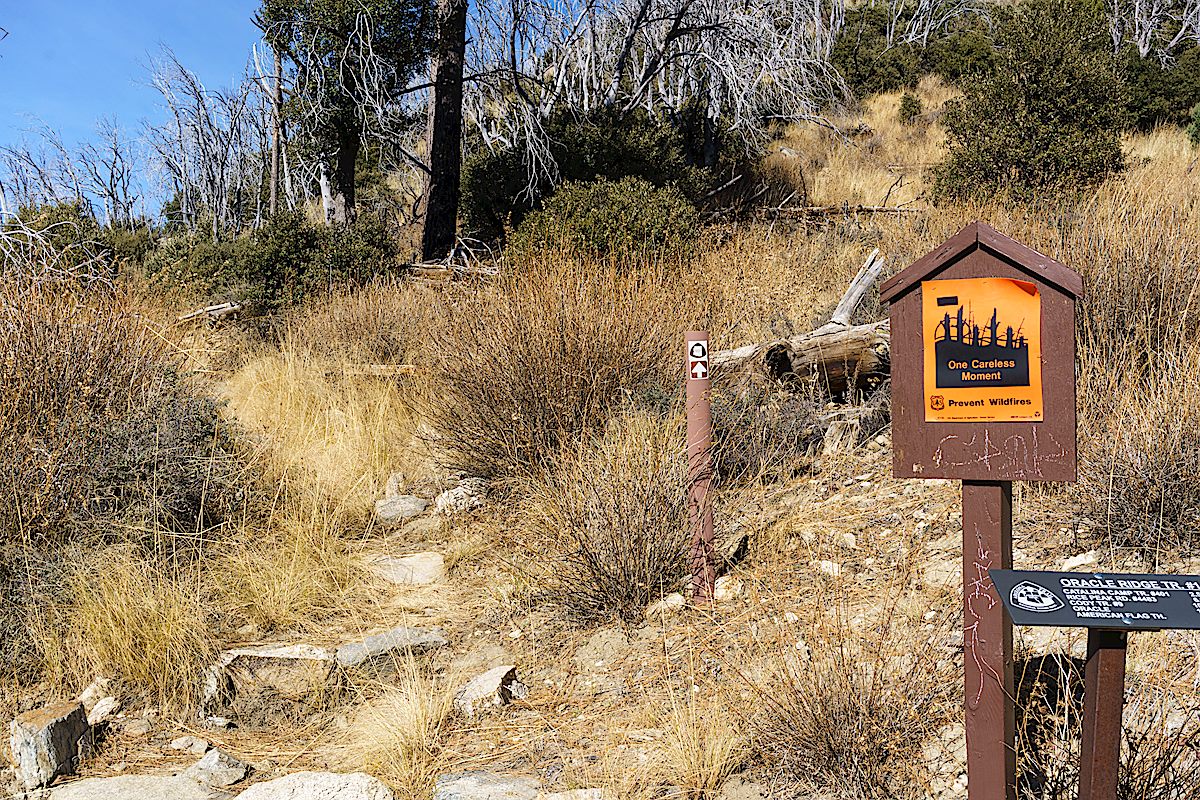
{"type": "Point", "coordinates": [276, 132]}
{"type": "Point", "coordinates": [445, 132]}
{"type": "Point", "coordinates": [343, 179]}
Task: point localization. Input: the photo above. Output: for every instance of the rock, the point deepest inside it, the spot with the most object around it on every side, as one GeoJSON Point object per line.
{"type": "Point", "coordinates": [848, 541]}
{"type": "Point", "coordinates": [136, 787]}
{"type": "Point", "coordinates": [136, 727]}
{"type": "Point", "coordinates": [103, 711]}
{"type": "Point", "coordinates": [293, 672]}
{"type": "Point", "coordinates": [395, 485]}
{"type": "Point", "coordinates": [217, 768]}
{"type": "Point", "coordinates": [49, 742]}
{"type": "Point", "coordinates": [576, 794]}
{"type": "Point", "coordinates": [418, 569]}
{"type": "Point", "coordinates": [469, 494]}
{"type": "Point", "coordinates": [485, 786]}
{"type": "Point", "coordinates": [96, 691]}
{"type": "Point", "coordinates": [604, 646]}
{"type": "Point", "coordinates": [668, 606]}
{"type": "Point", "coordinates": [496, 687]}
{"type": "Point", "coordinates": [1088, 559]}
{"type": "Point", "coordinates": [190, 744]}
{"type": "Point", "coordinates": [401, 639]}
{"type": "Point", "coordinates": [320, 786]}
{"type": "Point", "coordinates": [394, 510]}
{"type": "Point", "coordinates": [727, 588]}
{"type": "Point", "coordinates": [830, 568]}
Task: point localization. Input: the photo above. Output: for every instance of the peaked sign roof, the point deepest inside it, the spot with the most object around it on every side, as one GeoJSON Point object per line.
{"type": "Point", "coordinates": [976, 236]}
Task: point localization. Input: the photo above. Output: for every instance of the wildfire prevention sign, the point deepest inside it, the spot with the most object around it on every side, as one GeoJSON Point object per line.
{"type": "Point", "coordinates": [983, 350]}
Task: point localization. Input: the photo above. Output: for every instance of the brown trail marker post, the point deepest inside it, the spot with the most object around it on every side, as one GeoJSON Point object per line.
{"type": "Point", "coordinates": [983, 391]}
{"type": "Point", "coordinates": [700, 458]}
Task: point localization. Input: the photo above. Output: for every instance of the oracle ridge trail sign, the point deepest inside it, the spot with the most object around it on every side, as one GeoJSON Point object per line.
{"type": "Point", "coordinates": [983, 391]}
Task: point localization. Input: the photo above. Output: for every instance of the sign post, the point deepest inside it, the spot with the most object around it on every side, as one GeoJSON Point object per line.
{"type": "Point", "coordinates": [1109, 606]}
{"type": "Point", "coordinates": [983, 391]}
{"type": "Point", "coordinates": [700, 463]}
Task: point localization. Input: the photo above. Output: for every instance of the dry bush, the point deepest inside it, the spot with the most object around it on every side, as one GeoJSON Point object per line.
{"type": "Point", "coordinates": [137, 620]}
{"type": "Point", "coordinates": [758, 437]}
{"type": "Point", "coordinates": [1159, 744]}
{"type": "Point", "coordinates": [606, 530]}
{"type": "Point", "coordinates": [532, 363]}
{"type": "Point", "coordinates": [397, 735]}
{"type": "Point", "coordinates": [854, 717]}
{"type": "Point", "coordinates": [385, 322]}
{"type": "Point", "coordinates": [701, 746]}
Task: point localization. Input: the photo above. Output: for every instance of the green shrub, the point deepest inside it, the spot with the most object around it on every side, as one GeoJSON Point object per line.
{"type": "Point", "coordinates": [278, 265]}
{"type": "Point", "coordinates": [621, 221]}
{"type": "Point", "coordinates": [1193, 130]}
{"type": "Point", "coordinates": [496, 188]}
{"type": "Point", "coordinates": [1162, 94]}
{"type": "Point", "coordinates": [910, 108]}
{"type": "Point", "coordinates": [1048, 117]}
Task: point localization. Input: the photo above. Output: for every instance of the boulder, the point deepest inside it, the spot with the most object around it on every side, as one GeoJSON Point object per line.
{"type": "Point", "coordinates": [485, 786]}
{"type": "Point", "coordinates": [401, 640]}
{"type": "Point", "coordinates": [418, 569]}
{"type": "Point", "coordinates": [217, 768]}
{"type": "Point", "coordinates": [190, 744]}
{"type": "Point", "coordinates": [48, 742]}
{"type": "Point", "coordinates": [136, 727]}
{"type": "Point", "coordinates": [141, 787]}
{"type": "Point", "coordinates": [320, 786]}
{"type": "Point", "coordinates": [496, 687]}
{"type": "Point", "coordinates": [727, 588]}
{"type": "Point", "coordinates": [293, 672]}
{"type": "Point", "coordinates": [469, 494]}
{"type": "Point", "coordinates": [394, 510]}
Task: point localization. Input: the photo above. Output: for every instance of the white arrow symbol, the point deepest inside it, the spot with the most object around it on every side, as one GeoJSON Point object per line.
{"type": "Point", "coordinates": [699, 370]}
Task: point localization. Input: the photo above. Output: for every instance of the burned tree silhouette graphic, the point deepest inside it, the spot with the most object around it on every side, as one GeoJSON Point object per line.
{"type": "Point", "coordinates": [969, 354]}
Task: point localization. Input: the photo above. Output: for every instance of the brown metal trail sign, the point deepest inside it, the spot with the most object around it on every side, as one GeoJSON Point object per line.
{"type": "Point", "coordinates": [983, 391]}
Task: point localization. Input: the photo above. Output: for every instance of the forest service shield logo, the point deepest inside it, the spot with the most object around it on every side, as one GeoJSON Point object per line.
{"type": "Point", "coordinates": [1031, 597]}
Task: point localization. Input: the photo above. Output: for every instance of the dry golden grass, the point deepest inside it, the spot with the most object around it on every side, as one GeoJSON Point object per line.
{"type": "Point", "coordinates": [398, 734]}
{"type": "Point", "coordinates": [701, 746]}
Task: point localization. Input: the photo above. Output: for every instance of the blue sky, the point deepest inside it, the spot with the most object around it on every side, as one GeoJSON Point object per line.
{"type": "Point", "coordinates": [72, 62]}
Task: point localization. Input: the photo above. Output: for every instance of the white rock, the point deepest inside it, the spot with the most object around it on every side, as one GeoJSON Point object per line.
{"type": "Point", "coordinates": [791, 617]}
{"type": "Point", "coordinates": [485, 786]}
{"type": "Point", "coordinates": [320, 786]}
{"type": "Point", "coordinates": [293, 672]}
{"type": "Point", "coordinates": [496, 687]}
{"type": "Point", "coordinates": [397, 640]}
{"type": "Point", "coordinates": [393, 510]}
{"type": "Point", "coordinates": [96, 691]}
{"type": "Point", "coordinates": [136, 787]}
{"type": "Point", "coordinates": [469, 494]}
{"type": "Point", "coordinates": [418, 569]}
{"type": "Point", "coordinates": [1088, 559]}
{"type": "Point", "coordinates": [190, 744]}
{"type": "Point", "coordinates": [671, 604]}
{"type": "Point", "coordinates": [103, 711]}
{"type": "Point", "coordinates": [831, 568]}
{"type": "Point", "coordinates": [848, 541]}
{"type": "Point", "coordinates": [576, 794]}
{"type": "Point", "coordinates": [136, 727]}
{"type": "Point", "coordinates": [217, 768]}
{"type": "Point", "coordinates": [48, 742]}
{"type": "Point", "coordinates": [727, 588]}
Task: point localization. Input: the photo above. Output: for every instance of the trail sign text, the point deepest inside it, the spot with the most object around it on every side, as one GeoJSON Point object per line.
{"type": "Point", "coordinates": [1118, 602]}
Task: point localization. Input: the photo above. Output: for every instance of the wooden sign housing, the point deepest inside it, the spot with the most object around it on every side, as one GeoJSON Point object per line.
{"type": "Point", "coordinates": [983, 373]}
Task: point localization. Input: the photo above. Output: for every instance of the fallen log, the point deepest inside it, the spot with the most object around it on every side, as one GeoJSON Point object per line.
{"type": "Point", "coordinates": [844, 358]}
{"type": "Point", "coordinates": [211, 313]}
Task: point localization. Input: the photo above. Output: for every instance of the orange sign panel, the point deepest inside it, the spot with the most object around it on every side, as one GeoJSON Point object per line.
{"type": "Point", "coordinates": [983, 350]}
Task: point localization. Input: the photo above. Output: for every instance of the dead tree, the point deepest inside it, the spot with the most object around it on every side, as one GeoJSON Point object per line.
{"type": "Point", "coordinates": [842, 357]}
